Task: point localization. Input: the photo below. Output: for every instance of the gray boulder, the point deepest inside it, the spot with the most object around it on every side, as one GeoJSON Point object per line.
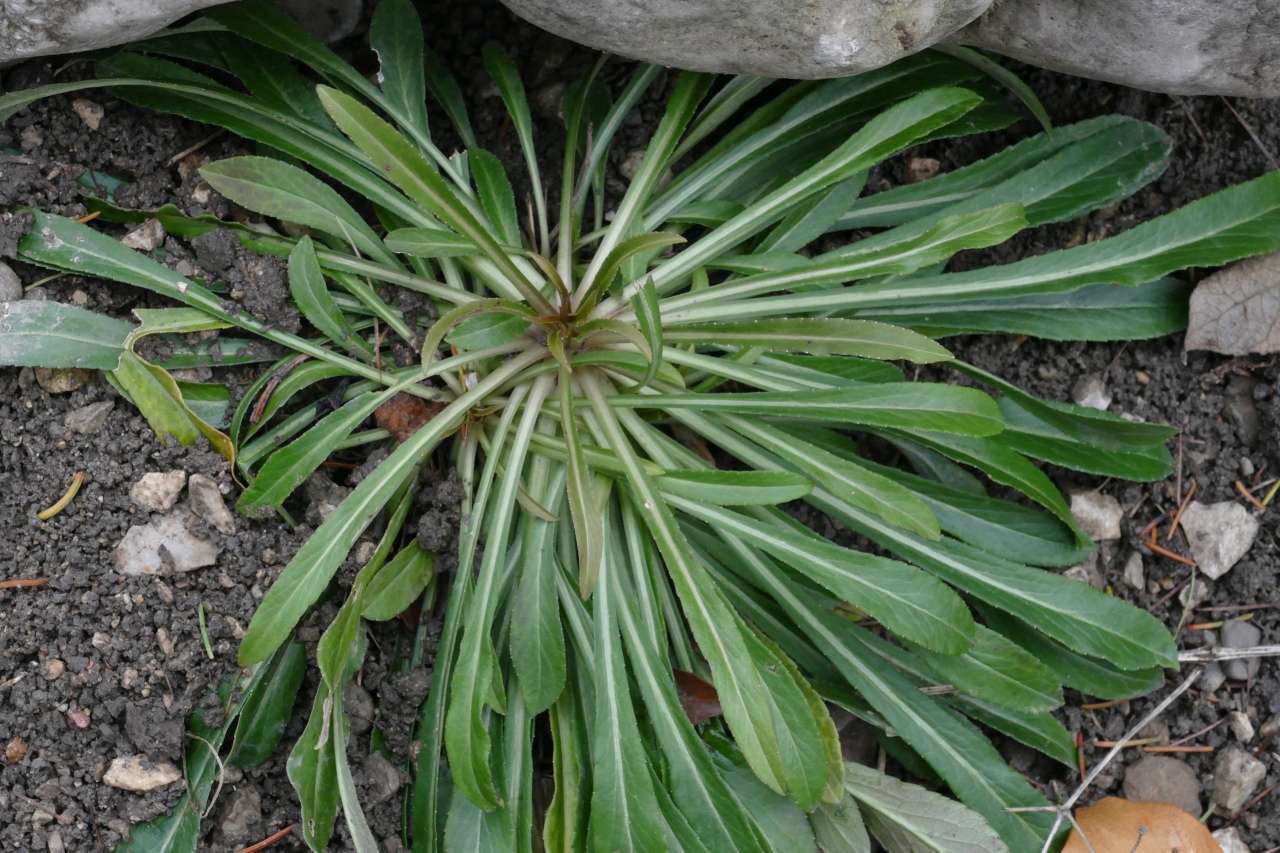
{"type": "Point", "coordinates": [769, 38]}
{"type": "Point", "coordinates": [1229, 47]}
{"type": "Point", "coordinates": [1185, 47]}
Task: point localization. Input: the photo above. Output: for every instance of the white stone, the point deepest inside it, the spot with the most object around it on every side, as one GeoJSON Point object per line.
{"type": "Point", "coordinates": [139, 551]}
{"type": "Point", "coordinates": [139, 774]}
{"type": "Point", "coordinates": [1241, 726]}
{"type": "Point", "coordinates": [1087, 572]}
{"type": "Point", "coordinates": [10, 284]}
{"type": "Point", "coordinates": [1219, 535]}
{"type": "Point", "coordinates": [146, 237]}
{"type": "Point", "coordinates": [1098, 515]}
{"type": "Point", "coordinates": [90, 112]}
{"type": "Point", "coordinates": [1134, 573]}
{"type": "Point", "coordinates": [1091, 392]}
{"type": "Point", "coordinates": [1230, 841]}
{"type": "Point", "coordinates": [158, 491]}
{"type": "Point", "coordinates": [1236, 775]}
{"type": "Point", "coordinates": [206, 502]}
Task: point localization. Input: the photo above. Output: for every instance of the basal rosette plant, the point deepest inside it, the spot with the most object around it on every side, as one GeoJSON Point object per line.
{"type": "Point", "coordinates": [628, 395]}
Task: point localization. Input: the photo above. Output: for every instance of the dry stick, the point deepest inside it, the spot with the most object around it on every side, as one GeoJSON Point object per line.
{"type": "Point", "coordinates": [23, 582]}
{"type": "Point", "coordinates": [1182, 507]}
{"type": "Point", "coordinates": [1063, 811]}
{"type": "Point", "coordinates": [1249, 497]}
{"type": "Point", "coordinates": [1256, 141]}
{"type": "Point", "coordinates": [267, 842]}
{"type": "Point", "coordinates": [194, 148]}
{"type": "Point", "coordinates": [1217, 653]}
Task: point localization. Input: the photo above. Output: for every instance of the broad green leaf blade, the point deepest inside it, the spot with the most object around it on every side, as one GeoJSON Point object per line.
{"type": "Point", "coordinates": [309, 572]}
{"type": "Point", "coordinates": [395, 34]}
{"type": "Point", "coordinates": [288, 467]}
{"type": "Point", "coordinates": [904, 599]}
{"type": "Point", "coordinates": [918, 405]}
{"type": "Point", "coordinates": [271, 77]}
{"type": "Point", "coordinates": [312, 769]}
{"type": "Point", "coordinates": [418, 178]}
{"type": "Point", "coordinates": [998, 72]}
{"type": "Point", "coordinates": [588, 526]}
{"type": "Point", "coordinates": [283, 191]}
{"type": "Point", "coordinates": [624, 808]}
{"type": "Point", "coordinates": [1091, 676]}
{"type": "Point", "coordinates": [208, 401]}
{"type": "Point", "coordinates": [157, 396]}
{"type": "Point", "coordinates": [957, 750]}
{"type": "Point", "coordinates": [838, 828]}
{"type": "Point", "coordinates": [1042, 732]}
{"type": "Point", "coordinates": [560, 828]}
{"type": "Point", "coordinates": [306, 284]}
{"type": "Point", "coordinates": [1237, 222]}
{"type": "Point", "coordinates": [50, 334]}
{"type": "Point", "coordinates": [268, 708]}
{"type": "Point", "coordinates": [819, 337]}
{"type": "Point", "coordinates": [398, 584]}
{"type": "Point", "coordinates": [430, 243]}
{"type": "Point", "coordinates": [813, 218]}
{"type": "Point", "coordinates": [445, 90]}
{"type": "Point", "coordinates": [648, 243]}
{"type": "Point", "coordinates": [735, 488]}
{"type": "Point", "coordinates": [490, 329]}
{"type": "Point", "coordinates": [537, 637]}
{"type": "Point", "coordinates": [896, 253]}
{"type": "Point", "coordinates": [649, 319]}
{"type": "Point", "coordinates": [999, 672]}
{"type": "Point", "coordinates": [910, 819]}
{"type": "Point", "coordinates": [844, 476]}
{"type": "Point", "coordinates": [1099, 312]}
{"type": "Point", "coordinates": [497, 198]}
{"type": "Point", "coordinates": [915, 201]}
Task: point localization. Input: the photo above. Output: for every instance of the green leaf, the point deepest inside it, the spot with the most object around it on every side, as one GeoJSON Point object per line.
{"type": "Point", "coordinates": [904, 599]}
{"type": "Point", "coordinates": [50, 334]}
{"type": "Point", "coordinates": [496, 196]}
{"type": "Point", "coordinates": [271, 77]}
{"type": "Point", "coordinates": [1042, 732]}
{"type": "Point", "coordinates": [919, 405]}
{"type": "Point", "coordinates": [395, 34]}
{"type": "Point", "coordinates": [843, 475]}
{"type": "Point", "coordinates": [588, 527]}
{"type": "Point", "coordinates": [734, 488]}
{"type": "Point", "coordinates": [445, 90]}
{"type": "Point", "coordinates": [1100, 312]}
{"type": "Point", "coordinates": [647, 243]}
{"type": "Point", "coordinates": [288, 467]}
{"type": "Point", "coordinates": [844, 367]}
{"type": "Point", "coordinates": [312, 769]}
{"type": "Point", "coordinates": [398, 584]}
{"type": "Point", "coordinates": [537, 638]}
{"type": "Point", "coordinates": [283, 191]}
{"type": "Point", "coordinates": [819, 337]}
{"type": "Point", "coordinates": [1237, 222]}
{"type": "Point", "coordinates": [999, 672]}
{"type": "Point", "coordinates": [624, 808]}
{"type": "Point", "coordinates": [490, 329]}
{"type": "Point", "coordinates": [710, 213]}
{"type": "Point", "coordinates": [157, 396]}
{"type": "Point", "coordinates": [430, 243]}
{"type": "Point", "coordinates": [910, 819]}
{"type": "Point", "coordinates": [208, 401]}
{"type": "Point", "coordinates": [838, 827]}
{"type": "Point", "coordinates": [812, 218]}
{"type": "Point", "coordinates": [268, 708]}
{"type": "Point", "coordinates": [649, 319]}
{"type": "Point", "coordinates": [998, 72]}
{"type": "Point", "coordinates": [1092, 676]}
{"type": "Point", "coordinates": [306, 284]}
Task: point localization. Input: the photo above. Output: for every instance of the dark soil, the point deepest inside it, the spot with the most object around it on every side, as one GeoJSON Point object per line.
{"type": "Point", "coordinates": [103, 627]}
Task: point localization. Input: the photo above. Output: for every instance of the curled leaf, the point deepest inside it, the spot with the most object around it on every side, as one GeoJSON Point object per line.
{"type": "Point", "coordinates": [1114, 825]}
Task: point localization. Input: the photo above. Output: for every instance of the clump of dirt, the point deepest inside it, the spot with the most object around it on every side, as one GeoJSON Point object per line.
{"type": "Point", "coordinates": [260, 283]}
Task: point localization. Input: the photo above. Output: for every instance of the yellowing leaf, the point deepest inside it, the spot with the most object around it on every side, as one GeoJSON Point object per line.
{"type": "Point", "coordinates": [1114, 825]}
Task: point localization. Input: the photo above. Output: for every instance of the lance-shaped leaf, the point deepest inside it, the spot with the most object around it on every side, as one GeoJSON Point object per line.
{"type": "Point", "coordinates": [158, 397]}
{"type": "Point", "coordinates": [398, 584]}
{"type": "Point", "coordinates": [946, 408]}
{"type": "Point", "coordinates": [395, 34]}
{"type": "Point", "coordinates": [537, 637]}
{"type": "Point", "coordinates": [904, 599]}
{"type": "Point", "coordinates": [997, 671]}
{"type": "Point", "coordinates": [505, 76]}
{"type": "Point", "coordinates": [50, 334]}
{"type": "Point", "coordinates": [648, 243]}
{"type": "Point", "coordinates": [306, 284]}
{"type": "Point", "coordinates": [430, 243]}
{"type": "Point", "coordinates": [821, 337]}
{"type": "Point", "coordinates": [588, 526]}
{"type": "Point", "coordinates": [649, 319]}
{"type": "Point", "coordinates": [735, 488]}
{"type": "Point", "coordinates": [268, 707]}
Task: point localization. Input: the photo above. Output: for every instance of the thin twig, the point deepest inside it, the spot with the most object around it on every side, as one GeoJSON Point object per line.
{"type": "Point", "coordinates": [1064, 809]}
{"type": "Point", "coordinates": [1218, 653]}
{"type": "Point", "coordinates": [1182, 507]}
{"type": "Point", "coordinates": [194, 148]}
{"type": "Point", "coordinates": [23, 582]}
{"type": "Point", "coordinates": [1252, 135]}
{"type": "Point", "coordinates": [1250, 498]}
{"type": "Point", "coordinates": [267, 842]}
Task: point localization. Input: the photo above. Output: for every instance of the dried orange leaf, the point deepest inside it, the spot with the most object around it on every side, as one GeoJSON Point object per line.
{"type": "Point", "coordinates": [1114, 825]}
{"type": "Point", "coordinates": [698, 696]}
{"type": "Point", "coordinates": [404, 414]}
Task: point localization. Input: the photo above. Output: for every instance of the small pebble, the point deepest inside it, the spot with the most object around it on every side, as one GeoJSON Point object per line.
{"type": "Point", "coordinates": [1271, 727]}
{"type": "Point", "coordinates": [157, 491]}
{"type": "Point", "coordinates": [1236, 774]}
{"type": "Point", "coordinates": [51, 669]}
{"type": "Point", "coordinates": [1246, 466]}
{"type": "Point", "coordinates": [1087, 572]}
{"type": "Point", "coordinates": [1230, 841]}
{"type": "Point", "coordinates": [16, 750]}
{"type": "Point", "coordinates": [147, 237]}
{"type": "Point", "coordinates": [1219, 535]}
{"type": "Point", "coordinates": [89, 419]}
{"type": "Point", "coordinates": [1212, 679]}
{"type": "Point", "coordinates": [1241, 726]}
{"type": "Point", "coordinates": [10, 284]}
{"type": "Point", "coordinates": [1240, 635]}
{"type": "Point", "coordinates": [1091, 392]}
{"type": "Point", "coordinates": [1163, 779]}
{"type": "Point", "coordinates": [1194, 594]}
{"type": "Point", "coordinates": [631, 164]}
{"type": "Point", "coordinates": [206, 502]}
{"type": "Point", "coordinates": [922, 169]}
{"type": "Point", "coordinates": [80, 718]}
{"type": "Point", "coordinates": [137, 773]}
{"type": "Point", "coordinates": [1134, 573]}
{"type": "Point", "coordinates": [90, 112]}
{"type": "Point", "coordinates": [1142, 376]}
{"type": "Point", "coordinates": [55, 842]}
{"type": "Point", "coordinates": [1098, 515]}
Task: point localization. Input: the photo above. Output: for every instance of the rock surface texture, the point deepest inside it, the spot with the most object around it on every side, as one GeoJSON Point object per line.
{"type": "Point", "coordinates": [1229, 47]}
{"type": "Point", "coordinates": [42, 27]}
